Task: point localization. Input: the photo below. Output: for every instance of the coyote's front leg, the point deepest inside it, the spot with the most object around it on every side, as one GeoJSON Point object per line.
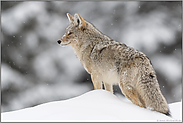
{"type": "Point", "coordinates": [97, 83]}
{"type": "Point", "coordinates": [108, 87]}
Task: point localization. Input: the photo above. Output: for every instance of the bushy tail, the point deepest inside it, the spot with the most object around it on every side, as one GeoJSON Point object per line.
{"type": "Point", "coordinates": [168, 113]}
{"type": "Point", "coordinates": [149, 87]}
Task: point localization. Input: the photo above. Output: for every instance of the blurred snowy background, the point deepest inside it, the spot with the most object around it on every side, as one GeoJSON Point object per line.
{"type": "Point", "coordinates": [35, 69]}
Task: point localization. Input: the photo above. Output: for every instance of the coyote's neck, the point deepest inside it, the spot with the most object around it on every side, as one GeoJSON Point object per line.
{"type": "Point", "coordinates": [85, 44]}
{"type": "Point", "coordinates": [97, 35]}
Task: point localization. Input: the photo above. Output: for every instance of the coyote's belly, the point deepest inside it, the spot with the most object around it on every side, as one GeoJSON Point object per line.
{"type": "Point", "coordinates": [110, 77]}
{"type": "Point", "coordinates": [107, 74]}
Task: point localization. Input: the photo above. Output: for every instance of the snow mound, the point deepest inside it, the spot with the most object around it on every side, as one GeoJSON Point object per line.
{"type": "Point", "coordinates": [96, 105]}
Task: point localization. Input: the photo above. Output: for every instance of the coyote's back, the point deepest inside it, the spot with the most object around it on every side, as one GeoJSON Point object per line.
{"type": "Point", "coordinates": [110, 62]}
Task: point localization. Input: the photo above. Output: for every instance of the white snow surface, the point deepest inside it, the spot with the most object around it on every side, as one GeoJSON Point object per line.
{"type": "Point", "coordinates": [96, 105]}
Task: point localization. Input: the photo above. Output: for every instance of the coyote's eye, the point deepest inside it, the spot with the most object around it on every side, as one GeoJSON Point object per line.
{"type": "Point", "coordinates": [70, 33]}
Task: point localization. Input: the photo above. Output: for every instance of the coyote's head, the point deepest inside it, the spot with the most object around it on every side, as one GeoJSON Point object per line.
{"type": "Point", "coordinates": [74, 32]}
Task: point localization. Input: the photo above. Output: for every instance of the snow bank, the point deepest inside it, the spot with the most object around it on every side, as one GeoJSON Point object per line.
{"type": "Point", "coordinates": [96, 105]}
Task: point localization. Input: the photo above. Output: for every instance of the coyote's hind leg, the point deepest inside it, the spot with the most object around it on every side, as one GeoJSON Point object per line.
{"type": "Point", "coordinates": [132, 95]}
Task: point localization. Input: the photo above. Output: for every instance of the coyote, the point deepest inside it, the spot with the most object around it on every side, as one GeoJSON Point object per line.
{"type": "Point", "coordinates": [112, 62]}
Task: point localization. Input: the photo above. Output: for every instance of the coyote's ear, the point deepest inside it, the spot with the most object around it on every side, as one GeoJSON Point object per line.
{"type": "Point", "coordinates": [70, 17]}
{"type": "Point", "coordinates": [79, 21]}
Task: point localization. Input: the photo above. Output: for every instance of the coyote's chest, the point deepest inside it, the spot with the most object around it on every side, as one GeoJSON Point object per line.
{"type": "Point", "coordinates": [83, 54]}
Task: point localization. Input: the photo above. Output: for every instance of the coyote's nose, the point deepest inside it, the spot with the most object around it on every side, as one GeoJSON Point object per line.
{"type": "Point", "coordinates": [58, 41]}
